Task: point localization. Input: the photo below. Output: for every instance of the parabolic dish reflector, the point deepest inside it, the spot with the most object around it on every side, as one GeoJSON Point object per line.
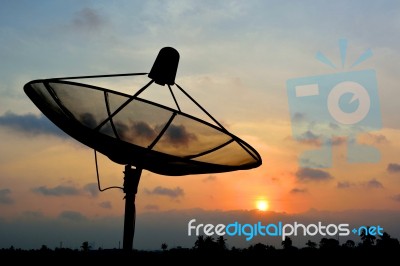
{"type": "Point", "coordinates": [139, 132]}
{"type": "Point", "coordinates": [131, 130]}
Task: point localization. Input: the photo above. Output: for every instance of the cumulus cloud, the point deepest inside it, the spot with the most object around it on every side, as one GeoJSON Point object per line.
{"type": "Point", "coordinates": [309, 137]}
{"type": "Point", "coordinates": [88, 20]}
{"type": "Point", "coordinates": [393, 168]}
{"type": "Point", "coordinates": [141, 131]}
{"type": "Point", "coordinates": [151, 207]}
{"type": "Point", "coordinates": [31, 125]}
{"type": "Point", "coordinates": [72, 216]}
{"type": "Point", "coordinates": [298, 190]}
{"type": "Point", "coordinates": [105, 205]}
{"type": "Point", "coordinates": [210, 178]}
{"type": "Point", "coordinates": [57, 191]}
{"type": "Point", "coordinates": [310, 174]}
{"type": "Point", "coordinates": [377, 138]}
{"type": "Point", "coordinates": [168, 192]}
{"type": "Point", "coordinates": [88, 120]}
{"type": "Point", "coordinates": [337, 141]}
{"type": "Point", "coordinates": [178, 136]}
{"type": "Point", "coordinates": [5, 196]}
{"type": "Point", "coordinates": [344, 185]}
{"type": "Point", "coordinates": [298, 117]}
{"type": "Point", "coordinates": [396, 197]}
{"type": "Point", "coordinates": [92, 188]}
{"type": "Point", "coordinates": [373, 183]}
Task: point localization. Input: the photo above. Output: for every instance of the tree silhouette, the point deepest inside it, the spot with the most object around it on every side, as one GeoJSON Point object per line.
{"type": "Point", "coordinates": [199, 244]}
{"type": "Point", "coordinates": [164, 246]}
{"type": "Point", "coordinates": [368, 240]}
{"type": "Point", "coordinates": [349, 244]}
{"type": "Point", "coordinates": [85, 246]}
{"type": "Point", "coordinates": [311, 244]}
{"type": "Point", "coordinates": [221, 243]}
{"type": "Point", "coordinates": [258, 248]}
{"type": "Point", "coordinates": [44, 248]}
{"type": "Point", "coordinates": [328, 243]}
{"type": "Point", "coordinates": [287, 243]}
{"type": "Point", "coordinates": [209, 243]}
{"type": "Point", "coordinates": [385, 241]}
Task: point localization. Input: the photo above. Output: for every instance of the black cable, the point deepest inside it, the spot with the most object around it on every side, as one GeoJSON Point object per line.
{"type": "Point", "coordinates": [98, 178]}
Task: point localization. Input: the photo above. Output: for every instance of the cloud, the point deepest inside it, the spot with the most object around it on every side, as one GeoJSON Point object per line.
{"type": "Point", "coordinates": [143, 129]}
{"type": "Point", "coordinates": [105, 205]}
{"type": "Point", "coordinates": [31, 125]}
{"type": "Point", "coordinates": [298, 117]}
{"type": "Point", "coordinates": [63, 190]}
{"type": "Point", "coordinates": [309, 174]}
{"type": "Point", "coordinates": [377, 138]}
{"type": "Point", "coordinates": [373, 183]}
{"type": "Point", "coordinates": [396, 197]}
{"type": "Point", "coordinates": [151, 207]}
{"type": "Point", "coordinates": [5, 196]}
{"type": "Point", "coordinates": [337, 141]}
{"type": "Point", "coordinates": [393, 168]}
{"type": "Point", "coordinates": [334, 126]}
{"type": "Point", "coordinates": [210, 178]}
{"type": "Point", "coordinates": [162, 191]}
{"type": "Point", "coordinates": [72, 216]}
{"type": "Point", "coordinates": [33, 214]}
{"type": "Point", "coordinates": [57, 191]}
{"type": "Point", "coordinates": [92, 188]}
{"type": "Point", "coordinates": [88, 120]}
{"type": "Point", "coordinates": [178, 136]}
{"type": "Point", "coordinates": [88, 20]}
{"type": "Point", "coordinates": [298, 190]}
{"type": "Point", "coordinates": [309, 137]}
{"type": "Point", "coordinates": [140, 131]}
{"type": "Point", "coordinates": [135, 130]}
{"type": "Point", "coordinates": [344, 185]}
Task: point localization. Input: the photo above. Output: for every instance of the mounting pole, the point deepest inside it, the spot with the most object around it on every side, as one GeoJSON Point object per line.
{"type": "Point", "coordinates": [131, 182]}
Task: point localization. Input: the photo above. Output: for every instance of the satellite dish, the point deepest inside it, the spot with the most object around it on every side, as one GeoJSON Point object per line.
{"type": "Point", "coordinates": [134, 131]}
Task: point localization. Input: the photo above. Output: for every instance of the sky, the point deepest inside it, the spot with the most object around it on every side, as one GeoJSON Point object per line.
{"type": "Point", "coordinates": [238, 59]}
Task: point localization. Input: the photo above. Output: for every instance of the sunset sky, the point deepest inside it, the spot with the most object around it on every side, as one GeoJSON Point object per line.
{"type": "Point", "coordinates": [235, 60]}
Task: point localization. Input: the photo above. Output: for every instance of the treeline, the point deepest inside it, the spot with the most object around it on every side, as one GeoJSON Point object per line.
{"type": "Point", "coordinates": [369, 242]}
{"type": "Point", "coordinates": [369, 248]}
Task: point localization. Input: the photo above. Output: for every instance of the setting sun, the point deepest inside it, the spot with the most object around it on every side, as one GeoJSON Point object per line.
{"type": "Point", "coordinates": [262, 205]}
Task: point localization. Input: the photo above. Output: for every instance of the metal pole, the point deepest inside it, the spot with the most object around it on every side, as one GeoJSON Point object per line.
{"type": "Point", "coordinates": [131, 182]}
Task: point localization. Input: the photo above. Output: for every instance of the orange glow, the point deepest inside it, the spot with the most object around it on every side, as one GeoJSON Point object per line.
{"type": "Point", "coordinates": [262, 205]}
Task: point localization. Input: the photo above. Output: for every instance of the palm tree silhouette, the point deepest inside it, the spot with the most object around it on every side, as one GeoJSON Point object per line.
{"type": "Point", "coordinates": [85, 246]}
{"type": "Point", "coordinates": [221, 243]}
{"type": "Point", "coordinates": [199, 244]}
{"type": "Point", "coordinates": [311, 244]}
{"type": "Point", "coordinates": [385, 241]}
{"type": "Point", "coordinates": [328, 243]}
{"type": "Point", "coordinates": [287, 243]}
{"type": "Point", "coordinates": [368, 240]}
{"type": "Point", "coordinates": [349, 244]}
